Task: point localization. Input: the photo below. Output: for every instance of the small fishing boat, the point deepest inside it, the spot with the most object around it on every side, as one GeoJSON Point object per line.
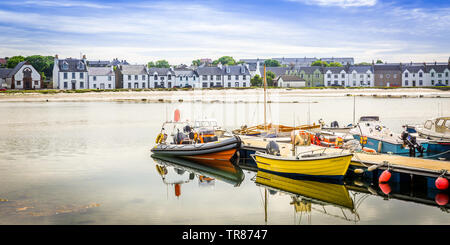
{"type": "Point", "coordinates": [372, 134]}
{"type": "Point", "coordinates": [437, 132]}
{"type": "Point", "coordinates": [200, 144]}
{"type": "Point", "coordinates": [309, 165]}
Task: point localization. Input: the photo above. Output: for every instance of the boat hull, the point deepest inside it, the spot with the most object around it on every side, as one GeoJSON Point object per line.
{"type": "Point", "coordinates": [324, 168]}
{"type": "Point", "coordinates": [387, 146]}
{"type": "Point", "coordinates": [219, 150]}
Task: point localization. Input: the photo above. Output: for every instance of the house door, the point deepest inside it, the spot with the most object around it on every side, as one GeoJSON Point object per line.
{"type": "Point", "coordinates": [414, 83]}
{"type": "Point", "coordinates": [102, 86]}
{"type": "Point", "coordinates": [73, 85]}
{"type": "Point", "coordinates": [27, 80]}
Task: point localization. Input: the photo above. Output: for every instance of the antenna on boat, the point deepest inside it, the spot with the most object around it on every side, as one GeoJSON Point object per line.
{"type": "Point", "coordinates": [265, 87]}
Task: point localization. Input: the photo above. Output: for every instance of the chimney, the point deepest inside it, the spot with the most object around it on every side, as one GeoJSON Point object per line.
{"type": "Point", "coordinates": [56, 57]}
{"type": "Point", "coordinates": [219, 65]}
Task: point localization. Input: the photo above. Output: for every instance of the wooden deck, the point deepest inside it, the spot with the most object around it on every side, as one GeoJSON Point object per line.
{"type": "Point", "coordinates": [420, 166]}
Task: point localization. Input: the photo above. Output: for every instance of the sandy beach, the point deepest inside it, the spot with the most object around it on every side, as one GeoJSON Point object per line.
{"type": "Point", "coordinates": [224, 95]}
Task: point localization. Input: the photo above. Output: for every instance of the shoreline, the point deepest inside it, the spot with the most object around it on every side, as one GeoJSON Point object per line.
{"type": "Point", "coordinates": [255, 95]}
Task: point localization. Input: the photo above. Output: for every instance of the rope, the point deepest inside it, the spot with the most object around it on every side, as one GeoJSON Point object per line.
{"type": "Point", "coordinates": [437, 154]}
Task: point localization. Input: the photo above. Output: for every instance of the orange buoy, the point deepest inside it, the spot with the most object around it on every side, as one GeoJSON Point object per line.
{"type": "Point", "coordinates": [385, 188]}
{"type": "Point", "coordinates": [441, 183]}
{"type": "Point", "coordinates": [385, 176]}
{"type": "Point", "coordinates": [177, 190]}
{"type": "Point", "coordinates": [441, 199]}
{"type": "Point", "coordinates": [370, 150]}
{"type": "Point", "coordinates": [177, 115]}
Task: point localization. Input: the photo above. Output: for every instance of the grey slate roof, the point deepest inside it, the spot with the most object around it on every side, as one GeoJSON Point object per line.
{"type": "Point", "coordinates": [413, 68]}
{"type": "Point", "coordinates": [17, 68]}
{"type": "Point", "coordinates": [161, 71]}
{"type": "Point", "coordinates": [291, 78]}
{"type": "Point", "coordinates": [437, 68]}
{"type": "Point", "coordinates": [235, 70]}
{"type": "Point", "coordinates": [184, 72]}
{"type": "Point", "coordinates": [295, 61]}
{"type": "Point", "coordinates": [334, 69]}
{"type": "Point", "coordinates": [359, 69]}
{"type": "Point", "coordinates": [98, 63]}
{"type": "Point", "coordinates": [387, 67]}
{"type": "Point", "coordinates": [134, 70]}
{"type": "Point", "coordinates": [100, 71]}
{"type": "Point", "coordinates": [4, 72]}
{"type": "Point", "coordinates": [278, 71]}
{"type": "Point", "coordinates": [72, 65]}
{"type": "Point", "coordinates": [310, 69]}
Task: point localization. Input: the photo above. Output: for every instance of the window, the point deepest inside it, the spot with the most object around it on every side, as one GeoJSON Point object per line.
{"type": "Point", "coordinates": [204, 85]}
{"type": "Point", "coordinates": [109, 78]}
{"type": "Point", "coordinates": [428, 124]}
{"type": "Point", "coordinates": [18, 83]}
{"type": "Point", "coordinates": [73, 75]}
{"type": "Point", "coordinates": [129, 85]}
{"type": "Point", "coordinates": [143, 77]}
{"type": "Point", "coordinates": [81, 75]}
{"type": "Point", "coordinates": [135, 77]}
{"type": "Point", "coordinates": [129, 77]}
{"type": "Point", "coordinates": [328, 75]}
{"type": "Point", "coordinates": [432, 82]}
{"type": "Point", "coordinates": [143, 85]}
{"type": "Point", "coordinates": [136, 85]}
{"type": "Point", "coordinates": [229, 77]}
{"type": "Point", "coordinates": [317, 75]}
{"type": "Point", "coordinates": [162, 78]}
{"type": "Point", "coordinates": [95, 85]}
{"type": "Point", "coordinates": [109, 85]}
{"type": "Point", "coordinates": [205, 77]}
{"type": "Point", "coordinates": [169, 77]}
{"type": "Point", "coordinates": [439, 74]}
{"type": "Point", "coordinates": [81, 84]}
{"type": "Point", "coordinates": [420, 82]}
{"type": "Point", "coordinates": [36, 83]}
{"type": "Point", "coordinates": [335, 76]}
{"type": "Point", "coordinates": [361, 76]}
{"type": "Point", "coordinates": [95, 78]}
{"type": "Point", "coordinates": [229, 85]}
{"type": "Point", "coordinates": [193, 78]}
{"type": "Point", "coordinates": [65, 84]}
{"type": "Point", "coordinates": [406, 82]}
{"type": "Point", "coordinates": [236, 84]}
{"type": "Point", "coordinates": [368, 75]}
{"type": "Point", "coordinates": [65, 75]}
{"type": "Point", "coordinates": [155, 77]}
{"type": "Point", "coordinates": [432, 74]}
{"type": "Point", "coordinates": [342, 75]}
{"type": "Point", "coordinates": [420, 74]}
{"type": "Point", "coordinates": [212, 77]}
{"type": "Point", "coordinates": [406, 74]}
{"type": "Point", "coordinates": [446, 74]}
{"type": "Point", "coordinates": [211, 84]}
{"type": "Point", "coordinates": [237, 77]}
{"type": "Point", "coordinates": [155, 84]}
{"type": "Point", "coordinates": [244, 84]}
{"type": "Point", "coordinates": [218, 77]}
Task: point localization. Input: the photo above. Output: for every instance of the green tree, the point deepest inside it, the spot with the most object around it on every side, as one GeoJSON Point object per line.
{"type": "Point", "coordinates": [336, 64]}
{"type": "Point", "coordinates": [159, 64]}
{"type": "Point", "coordinates": [13, 61]}
{"type": "Point", "coordinates": [197, 62]}
{"type": "Point", "coordinates": [320, 63]}
{"type": "Point", "coordinates": [272, 63]}
{"type": "Point", "coordinates": [380, 62]}
{"type": "Point", "coordinates": [364, 64]}
{"type": "Point", "coordinates": [256, 81]}
{"type": "Point", "coordinates": [225, 60]}
{"type": "Point", "coordinates": [43, 64]}
{"type": "Point", "coordinates": [270, 76]}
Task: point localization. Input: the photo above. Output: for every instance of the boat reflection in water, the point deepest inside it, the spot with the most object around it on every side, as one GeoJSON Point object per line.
{"type": "Point", "coordinates": [307, 195]}
{"type": "Point", "coordinates": [206, 171]}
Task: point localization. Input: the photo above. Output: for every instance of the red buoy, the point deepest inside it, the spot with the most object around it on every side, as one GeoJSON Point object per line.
{"type": "Point", "coordinates": [177, 115]}
{"type": "Point", "coordinates": [385, 188]}
{"type": "Point", "coordinates": [177, 190]}
{"type": "Point", "coordinates": [385, 176]}
{"type": "Point", "coordinates": [441, 183]}
{"type": "Point", "coordinates": [441, 199]}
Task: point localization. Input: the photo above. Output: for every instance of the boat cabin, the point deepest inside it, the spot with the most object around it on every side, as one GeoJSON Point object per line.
{"type": "Point", "coordinates": [439, 125]}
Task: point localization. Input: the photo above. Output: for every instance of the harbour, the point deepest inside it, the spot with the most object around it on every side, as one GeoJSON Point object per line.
{"type": "Point", "coordinates": [90, 163]}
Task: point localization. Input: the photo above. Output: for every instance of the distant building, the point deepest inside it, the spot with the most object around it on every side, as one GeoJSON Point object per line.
{"type": "Point", "coordinates": [22, 76]}
{"type": "Point", "coordinates": [161, 77]}
{"type": "Point", "coordinates": [117, 62]}
{"type": "Point", "coordinates": [438, 74]}
{"type": "Point", "coordinates": [342, 61]}
{"type": "Point", "coordinates": [99, 63]}
{"type": "Point", "coordinates": [132, 76]}
{"type": "Point", "coordinates": [290, 81]}
{"type": "Point", "coordinates": [70, 73]}
{"type": "Point", "coordinates": [186, 77]}
{"type": "Point", "coordinates": [101, 78]}
{"type": "Point", "coordinates": [3, 62]}
{"type": "Point", "coordinates": [335, 76]}
{"type": "Point", "coordinates": [414, 76]}
{"type": "Point", "coordinates": [360, 76]}
{"type": "Point", "coordinates": [388, 75]}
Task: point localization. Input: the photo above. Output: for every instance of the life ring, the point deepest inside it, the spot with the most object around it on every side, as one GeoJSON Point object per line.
{"type": "Point", "coordinates": [339, 141]}
{"type": "Point", "coordinates": [369, 150]}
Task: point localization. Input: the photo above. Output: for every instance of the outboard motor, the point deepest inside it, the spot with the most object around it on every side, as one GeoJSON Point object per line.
{"type": "Point", "coordinates": [272, 148]}
{"type": "Point", "coordinates": [334, 124]}
{"type": "Point", "coordinates": [187, 129]}
{"type": "Point", "coordinates": [411, 142]}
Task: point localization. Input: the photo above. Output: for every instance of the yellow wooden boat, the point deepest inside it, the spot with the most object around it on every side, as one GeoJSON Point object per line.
{"type": "Point", "coordinates": [321, 192]}
{"type": "Point", "coordinates": [326, 166]}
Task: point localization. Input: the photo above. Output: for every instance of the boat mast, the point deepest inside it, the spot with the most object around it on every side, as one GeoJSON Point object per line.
{"type": "Point", "coordinates": [265, 87]}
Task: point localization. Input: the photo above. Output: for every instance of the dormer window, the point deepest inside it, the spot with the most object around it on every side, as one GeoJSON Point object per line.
{"type": "Point", "coordinates": [80, 66]}
{"type": "Point", "coordinates": [228, 69]}
{"type": "Point", "coordinates": [155, 77]}
{"type": "Point", "coordinates": [65, 65]}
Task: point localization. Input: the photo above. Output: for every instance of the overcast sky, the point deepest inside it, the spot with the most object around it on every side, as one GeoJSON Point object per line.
{"type": "Point", "coordinates": [180, 31]}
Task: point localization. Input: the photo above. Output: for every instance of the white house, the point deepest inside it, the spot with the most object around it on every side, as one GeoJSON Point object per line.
{"type": "Point", "coordinates": [209, 76]}
{"type": "Point", "coordinates": [414, 76]}
{"type": "Point", "coordinates": [22, 76]}
{"type": "Point", "coordinates": [70, 73]}
{"type": "Point", "coordinates": [186, 77]}
{"type": "Point", "coordinates": [438, 74]}
{"type": "Point", "coordinates": [335, 76]}
{"type": "Point", "coordinates": [161, 77]}
{"type": "Point", "coordinates": [132, 76]}
{"type": "Point", "coordinates": [290, 81]}
{"type": "Point", "coordinates": [236, 76]}
{"type": "Point", "coordinates": [360, 76]}
{"type": "Point", "coordinates": [101, 78]}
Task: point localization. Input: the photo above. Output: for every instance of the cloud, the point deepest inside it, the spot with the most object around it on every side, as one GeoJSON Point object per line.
{"type": "Point", "coordinates": [56, 4]}
{"type": "Point", "coordinates": [338, 3]}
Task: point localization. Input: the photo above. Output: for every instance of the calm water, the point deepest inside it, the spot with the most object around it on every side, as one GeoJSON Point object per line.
{"type": "Point", "coordinates": [89, 163]}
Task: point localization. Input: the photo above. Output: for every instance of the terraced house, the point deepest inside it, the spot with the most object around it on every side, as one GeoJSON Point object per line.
{"type": "Point", "coordinates": [360, 76]}
{"type": "Point", "coordinates": [335, 76]}
{"type": "Point", "coordinates": [186, 78]}
{"type": "Point", "coordinates": [388, 75]}
{"type": "Point", "coordinates": [162, 77]}
{"type": "Point", "coordinates": [70, 73]}
{"type": "Point", "coordinates": [132, 76]}
{"type": "Point", "coordinates": [438, 74]}
{"type": "Point", "coordinates": [101, 77]}
{"type": "Point", "coordinates": [313, 75]}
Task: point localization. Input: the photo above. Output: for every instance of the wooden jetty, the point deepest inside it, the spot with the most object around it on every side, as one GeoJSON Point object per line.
{"type": "Point", "coordinates": [403, 164]}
